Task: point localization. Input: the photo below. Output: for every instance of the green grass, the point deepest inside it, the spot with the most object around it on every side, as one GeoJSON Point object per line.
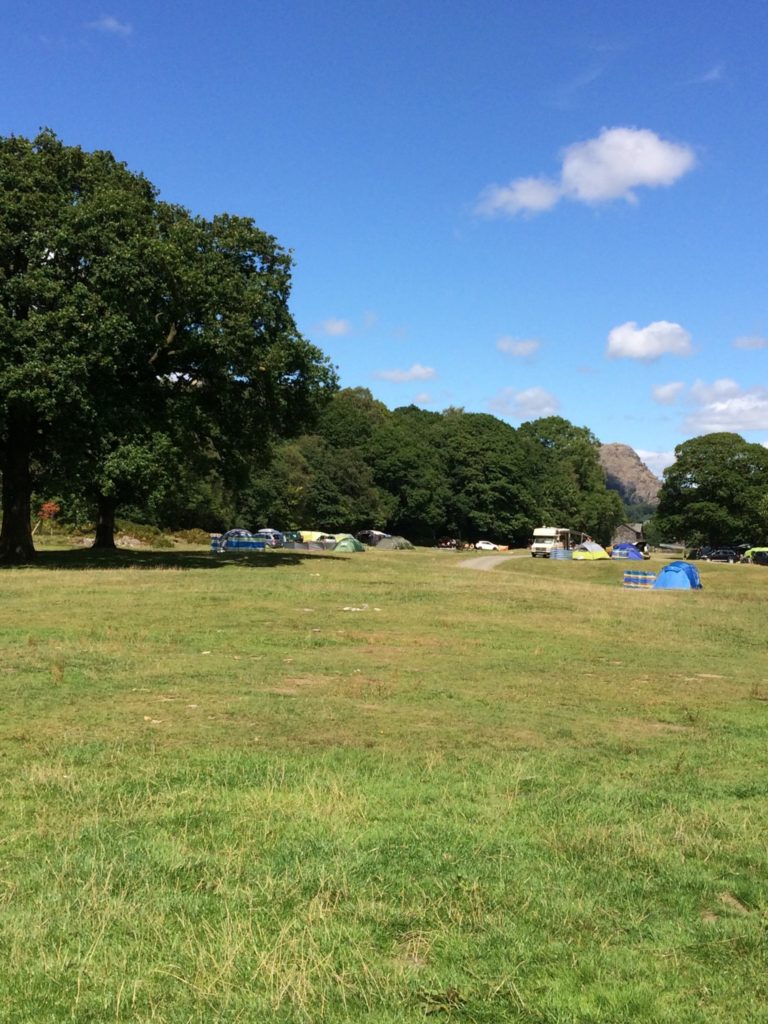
{"type": "Point", "coordinates": [519, 795]}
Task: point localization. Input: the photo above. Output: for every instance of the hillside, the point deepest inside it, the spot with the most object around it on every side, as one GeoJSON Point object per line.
{"type": "Point", "coordinates": [626, 473]}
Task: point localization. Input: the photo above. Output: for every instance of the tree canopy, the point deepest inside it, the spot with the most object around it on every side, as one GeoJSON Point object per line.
{"type": "Point", "coordinates": [134, 334]}
{"type": "Point", "coordinates": [716, 492]}
{"type": "Point", "coordinates": [428, 474]}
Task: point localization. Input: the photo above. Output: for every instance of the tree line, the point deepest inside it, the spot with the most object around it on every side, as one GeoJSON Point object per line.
{"type": "Point", "coordinates": [429, 474]}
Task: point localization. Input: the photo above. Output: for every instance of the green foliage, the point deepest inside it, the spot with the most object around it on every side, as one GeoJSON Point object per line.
{"type": "Point", "coordinates": [193, 536]}
{"type": "Point", "coordinates": [136, 340]}
{"type": "Point", "coordinates": [715, 492]}
{"type": "Point", "coordinates": [569, 481]}
{"type": "Point", "coordinates": [426, 474]}
{"type": "Point", "coordinates": [144, 532]}
{"type": "Point", "coordinates": [640, 512]}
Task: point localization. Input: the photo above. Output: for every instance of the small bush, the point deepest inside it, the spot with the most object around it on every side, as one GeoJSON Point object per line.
{"type": "Point", "coordinates": [142, 532]}
{"type": "Point", "coordinates": [193, 536]}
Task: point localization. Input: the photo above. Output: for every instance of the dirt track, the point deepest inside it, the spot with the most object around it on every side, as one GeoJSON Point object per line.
{"type": "Point", "coordinates": [486, 562]}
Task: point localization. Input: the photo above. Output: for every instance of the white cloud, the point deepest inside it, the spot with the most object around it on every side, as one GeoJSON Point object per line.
{"type": "Point", "coordinates": [628, 341]}
{"type": "Point", "coordinates": [520, 348]}
{"type": "Point", "coordinates": [704, 393]}
{"type": "Point", "coordinates": [724, 406]}
{"type": "Point", "coordinates": [416, 372]}
{"type": "Point", "coordinates": [665, 394]}
{"type": "Point", "coordinates": [524, 405]}
{"type": "Point", "coordinates": [423, 398]}
{"type": "Point", "coordinates": [657, 462]}
{"type": "Point", "coordinates": [529, 195]}
{"type": "Point", "coordinates": [619, 160]}
{"type": "Point", "coordinates": [111, 25]}
{"type": "Point", "coordinates": [608, 167]}
{"type": "Point", "coordinates": [750, 342]}
{"type": "Point", "coordinates": [335, 327]}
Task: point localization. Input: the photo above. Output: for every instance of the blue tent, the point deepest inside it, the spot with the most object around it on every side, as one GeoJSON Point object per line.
{"type": "Point", "coordinates": [626, 550]}
{"type": "Point", "coordinates": [678, 576]}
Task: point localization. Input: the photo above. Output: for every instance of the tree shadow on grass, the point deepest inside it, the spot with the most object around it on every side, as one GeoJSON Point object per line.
{"type": "Point", "coordinates": [122, 558]}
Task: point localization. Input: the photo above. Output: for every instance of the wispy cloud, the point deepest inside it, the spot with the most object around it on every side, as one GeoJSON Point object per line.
{"type": "Point", "coordinates": [598, 170]}
{"type": "Point", "coordinates": [111, 25]}
{"type": "Point", "coordinates": [628, 341]}
{"type": "Point", "coordinates": [714, 74]}
{"type": "Point", "coordinates": [567, 94]}
{"type": "Point", "coordinates": [416, 372]}
{"type": "Point", "coordinates": [750, 342]}
{"type": "Point", "coordinates": [335, 327]}
{"type": "Point", "coordinates": [423, 398]}
{"type": "Point", "coordinates": [667, 394]}
{"type": "Point", "coordinates": [529, 404]}
{"type": "Point", "coordinates": [519, 348]}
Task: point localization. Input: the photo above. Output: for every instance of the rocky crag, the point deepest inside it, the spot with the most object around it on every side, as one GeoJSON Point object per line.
{"type": "Point", "coordinates": [626, 473]}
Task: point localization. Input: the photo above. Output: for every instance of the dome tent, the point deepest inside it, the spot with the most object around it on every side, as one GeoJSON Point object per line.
{"type": "Point", "coordinates": [589, 551]}
{"type": "Point", "coordinates": [626, 550]}
{"type": "Point", "coordinates": [348, 544]}
{"type": "Point", "coordinates": [678, 576]}
{"type": "Point", "coordinates": [395, 544]}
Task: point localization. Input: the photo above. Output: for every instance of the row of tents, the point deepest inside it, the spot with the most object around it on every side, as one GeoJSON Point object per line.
{"type": "Point", "coordinates": [673, 576]}
{"type": "Point", "coordinates": [300, 540]}
{"type": "Point", "coordinates": [589, 551]}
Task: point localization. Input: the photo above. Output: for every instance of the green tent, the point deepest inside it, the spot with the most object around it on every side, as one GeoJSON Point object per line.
{"type": "Point", "coordinates": [394, 544]}
{"type": "Point", "coordinates": [348, 544]}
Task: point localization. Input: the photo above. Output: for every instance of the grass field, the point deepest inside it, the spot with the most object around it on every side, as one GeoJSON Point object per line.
{"type": "Point", "coordinates": [380, 787]}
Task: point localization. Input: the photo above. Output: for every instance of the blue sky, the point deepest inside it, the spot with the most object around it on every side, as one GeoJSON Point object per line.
{"type": "Point", "coordinates": [515, 207]}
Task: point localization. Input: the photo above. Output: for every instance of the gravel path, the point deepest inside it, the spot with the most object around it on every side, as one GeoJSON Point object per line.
{"type": "Point", "coordinates": [486, 562]}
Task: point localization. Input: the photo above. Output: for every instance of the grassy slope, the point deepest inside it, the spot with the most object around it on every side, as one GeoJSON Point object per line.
{"type": "Point", "coordinates": [525, 795]}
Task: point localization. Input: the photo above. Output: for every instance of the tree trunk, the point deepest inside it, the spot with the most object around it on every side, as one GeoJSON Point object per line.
{"type": "Point", "coordinates": [16, 544]}
{"type": "Point", "coordinates": [105, 524]}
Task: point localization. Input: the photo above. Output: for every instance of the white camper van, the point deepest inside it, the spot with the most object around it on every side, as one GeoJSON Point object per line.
{"type": "Point", "coordinates": [548, 538]}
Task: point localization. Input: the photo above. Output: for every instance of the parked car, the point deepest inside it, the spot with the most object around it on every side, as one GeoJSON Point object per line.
{"type": "Point", "coordinates": [449, 542]}
{"type": "Point", "coordinates": [724, 555]}
{"type": "Point", "coordinates": [273, 538]}
{"type": "Point", "coordinates": [486, 545]}
{"type": "Point", "coordinates": [760, 558]}
{"type": "Point", "coordinates": [698, 553]}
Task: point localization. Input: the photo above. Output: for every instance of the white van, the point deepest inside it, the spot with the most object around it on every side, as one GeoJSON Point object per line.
{"type": "Point", "coordinates": [547, 538]}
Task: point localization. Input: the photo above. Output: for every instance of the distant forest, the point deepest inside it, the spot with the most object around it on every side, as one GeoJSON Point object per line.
{"type": "Point", "coordinates": [408, 471]}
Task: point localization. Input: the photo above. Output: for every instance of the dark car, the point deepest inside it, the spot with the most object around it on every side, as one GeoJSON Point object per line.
{"type": "Point", "coordinates": [696, 553]}
{"type": "Point", "coordinates": [724, 555]}
{"type": "Point", "coordinates": [760, 558]}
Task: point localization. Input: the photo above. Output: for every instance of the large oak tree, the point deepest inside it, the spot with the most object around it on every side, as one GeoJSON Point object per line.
{"type": "Point", "coordinates": [130, 329]}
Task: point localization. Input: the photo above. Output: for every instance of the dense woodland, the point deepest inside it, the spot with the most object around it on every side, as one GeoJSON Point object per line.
{"type": "Point", "coordinates": [150, 366]}
{"type": "Point", "coordinates": [420, 474]}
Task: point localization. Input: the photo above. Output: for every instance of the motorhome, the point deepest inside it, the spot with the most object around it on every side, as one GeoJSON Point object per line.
{"type": "Point", "coordinates": [547, 539]}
